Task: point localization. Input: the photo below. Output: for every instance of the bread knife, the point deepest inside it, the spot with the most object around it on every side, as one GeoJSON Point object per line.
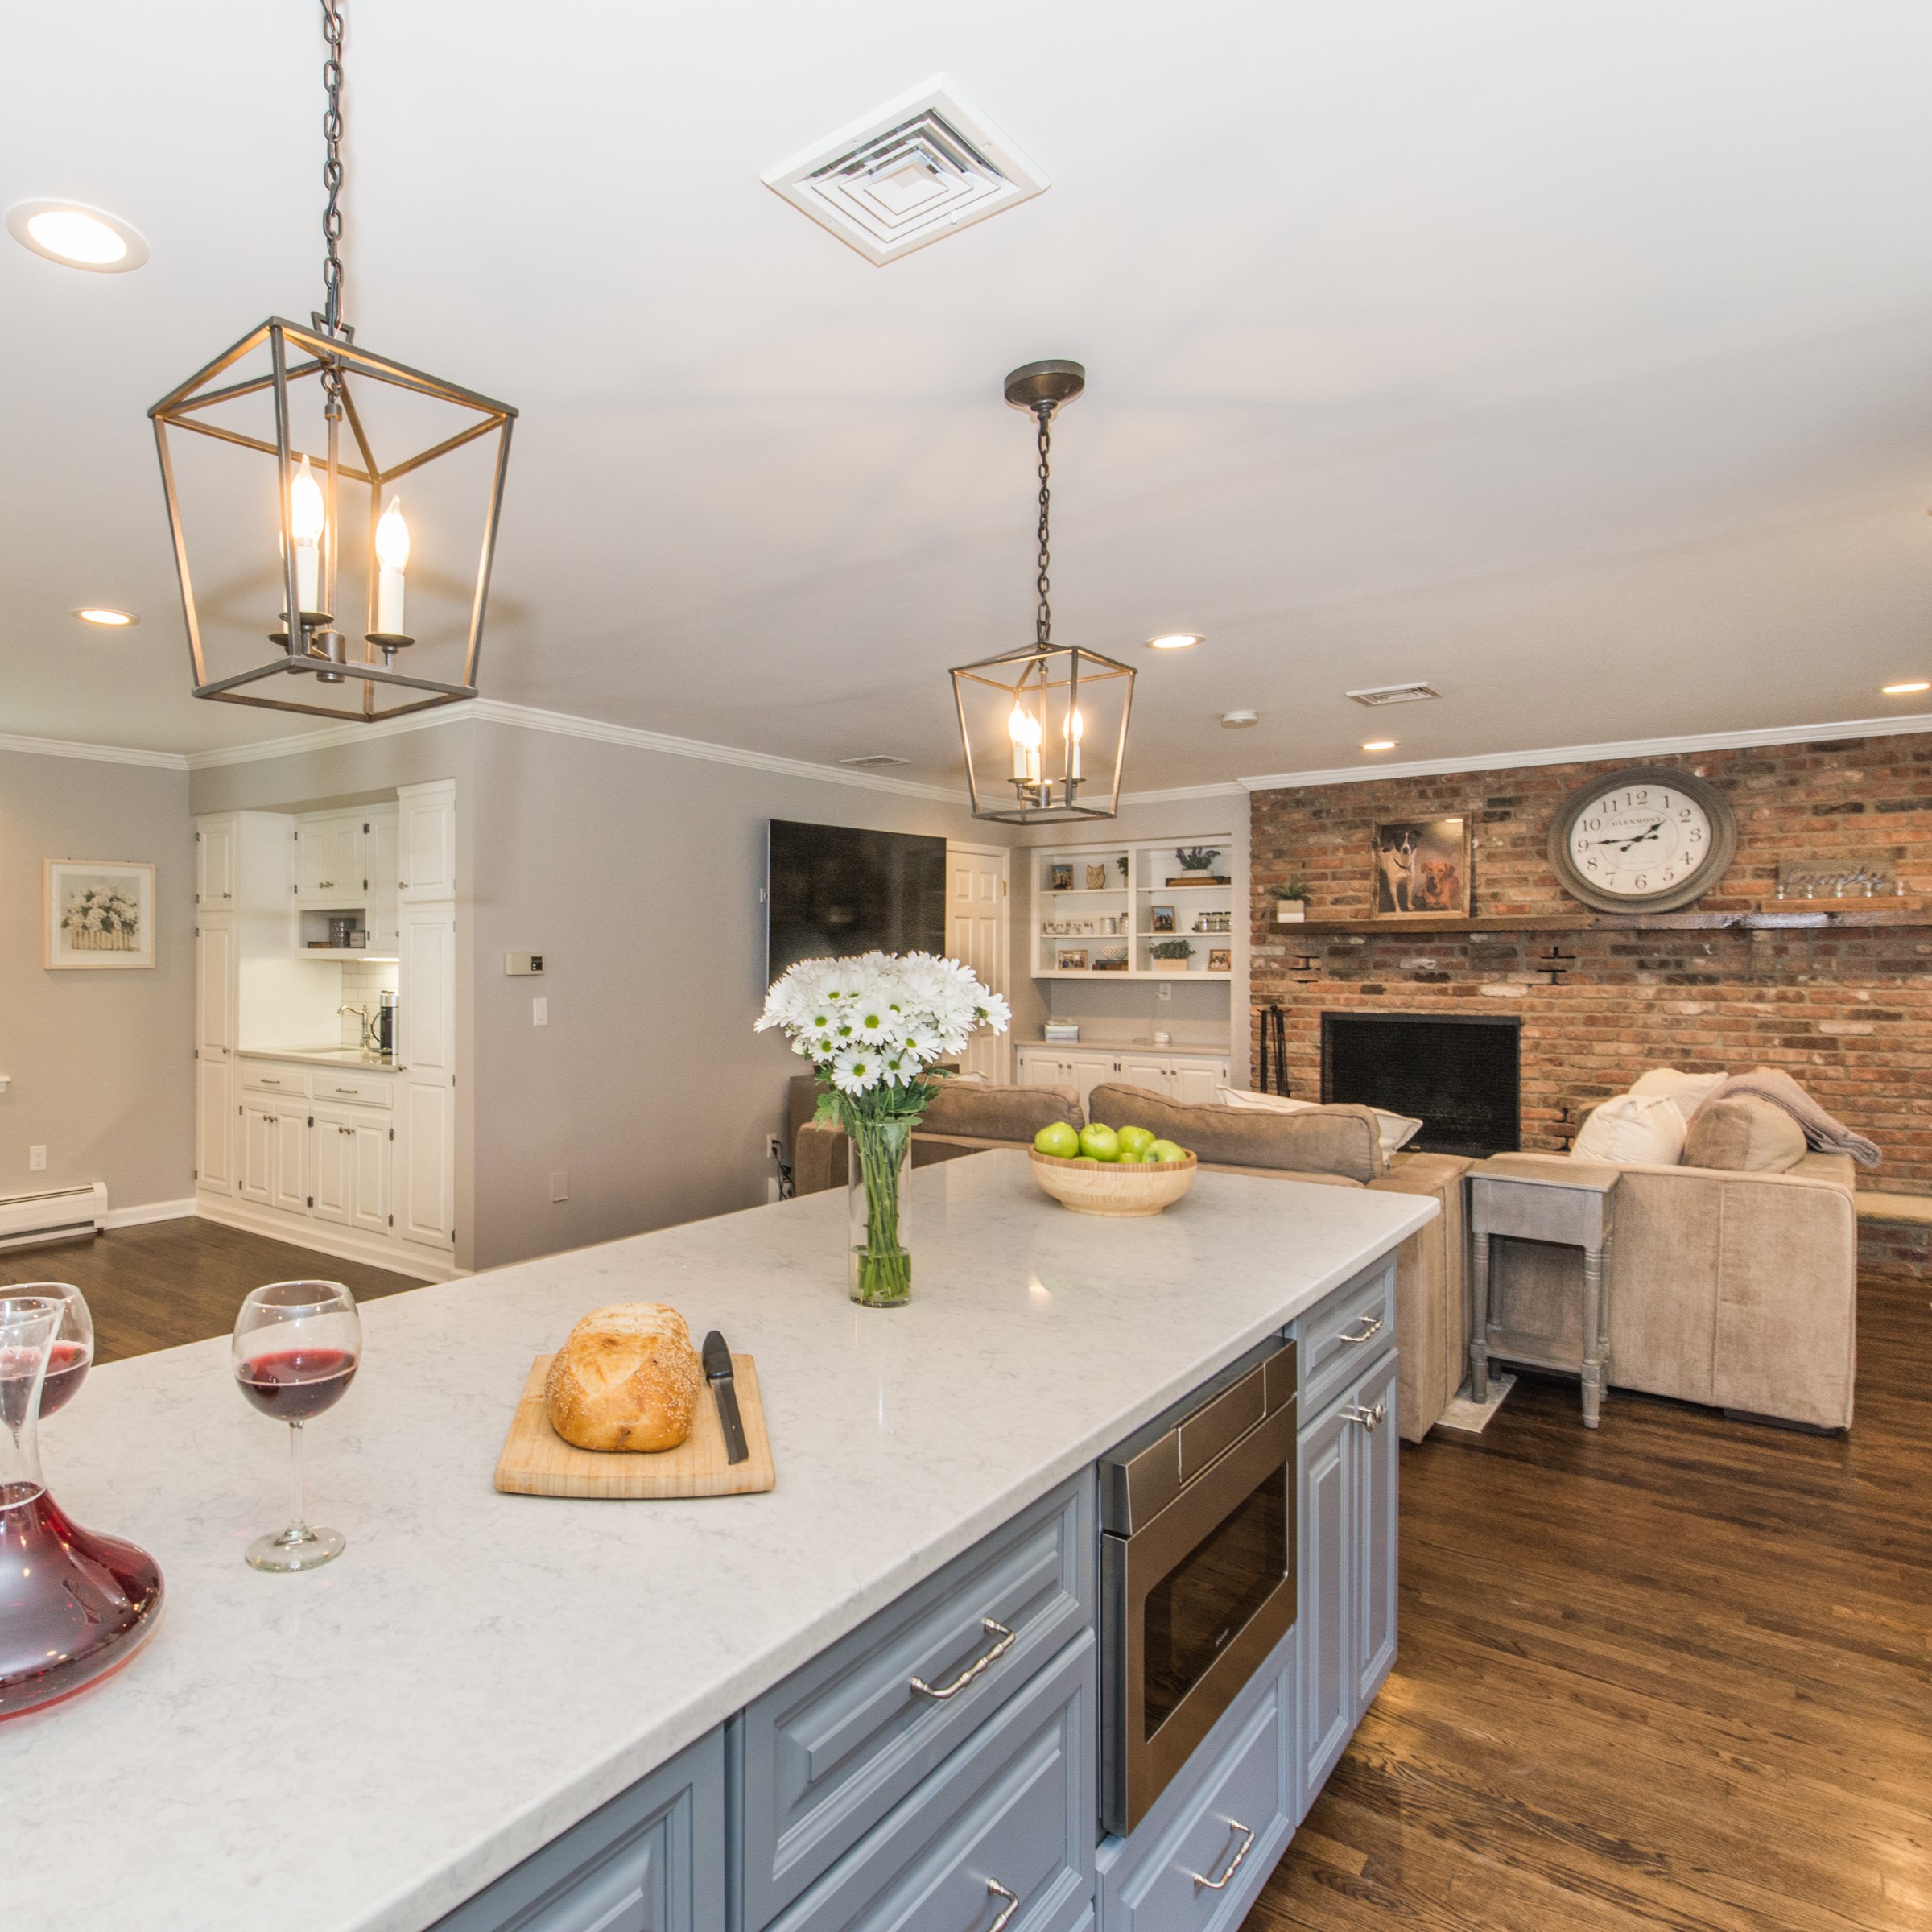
{"type": "Point", "coordinates": [717, 1371]}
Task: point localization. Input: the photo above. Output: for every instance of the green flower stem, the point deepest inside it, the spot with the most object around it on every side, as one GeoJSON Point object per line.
{"type": "Point", "coordinates": [881, 1273]}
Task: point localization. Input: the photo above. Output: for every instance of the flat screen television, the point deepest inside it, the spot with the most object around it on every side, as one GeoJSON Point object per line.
{"type": "Point", "coordinates": [832, 890]}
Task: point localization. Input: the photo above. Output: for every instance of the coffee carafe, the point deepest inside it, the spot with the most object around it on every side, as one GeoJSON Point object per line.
{"type": "Point", "coordinates": [386, 1023]}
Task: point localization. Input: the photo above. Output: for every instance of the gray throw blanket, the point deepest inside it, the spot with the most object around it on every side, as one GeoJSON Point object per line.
{"type": "Point", "coordinates": [1829, 1136]}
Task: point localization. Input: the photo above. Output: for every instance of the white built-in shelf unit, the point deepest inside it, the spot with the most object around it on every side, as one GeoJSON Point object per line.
{"type": "Point", "coordinates": [1150, 899]}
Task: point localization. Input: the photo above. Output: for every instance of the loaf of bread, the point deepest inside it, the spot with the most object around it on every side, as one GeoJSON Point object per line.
{"type": "Point", "coordinates": [626, 1377]}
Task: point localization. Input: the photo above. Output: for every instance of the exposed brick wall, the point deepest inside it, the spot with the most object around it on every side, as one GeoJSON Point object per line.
{"type": "Point", "coordinates": [1847, 1013]}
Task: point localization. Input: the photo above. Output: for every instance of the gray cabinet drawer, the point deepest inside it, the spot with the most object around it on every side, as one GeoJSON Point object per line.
{"type": "Point", "coordinates": [650, 1860]}
{"type": "Point", "coordinates": [825, 1755]}
{"type": "Point", "coordinates": [1240, 1804]}
{"type": "Point", "coordinates": [1345, 1332]}
{"type": "Point", "coordinates": [1013, 1807]}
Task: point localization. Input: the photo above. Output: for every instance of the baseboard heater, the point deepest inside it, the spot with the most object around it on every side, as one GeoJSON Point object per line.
{"type": "Point", "coordinates": [60, 1214]}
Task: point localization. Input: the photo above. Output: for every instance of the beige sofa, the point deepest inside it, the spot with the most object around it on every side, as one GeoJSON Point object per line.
{"type": "Point", "coordinates": [1334, 1147]}
{"type": "Point", "coordinates": [1735, 1290]}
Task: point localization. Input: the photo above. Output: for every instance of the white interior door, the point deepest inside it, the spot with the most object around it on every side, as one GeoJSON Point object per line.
{"type": "Point", "coordinates": [977, 934]}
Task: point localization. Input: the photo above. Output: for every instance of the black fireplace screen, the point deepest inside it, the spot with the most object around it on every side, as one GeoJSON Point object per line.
{"type": "Point", "coordinates": [1458, 1075]}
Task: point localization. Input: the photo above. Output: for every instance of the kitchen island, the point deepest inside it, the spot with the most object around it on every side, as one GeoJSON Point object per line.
{"type": "Point", "coordinates": [367, 1746]}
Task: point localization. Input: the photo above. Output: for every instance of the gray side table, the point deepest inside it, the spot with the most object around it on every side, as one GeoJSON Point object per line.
{"type": "Point", "coordinates": [1570, 1202]}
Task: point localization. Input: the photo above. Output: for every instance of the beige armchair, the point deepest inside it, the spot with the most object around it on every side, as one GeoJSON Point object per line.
{"type": "Point", "coordinates": [1736, 1290]}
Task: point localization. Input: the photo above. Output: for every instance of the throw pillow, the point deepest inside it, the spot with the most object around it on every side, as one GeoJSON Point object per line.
{"type": "Point", "coordinates": [1742, 1134]}
{"type": "Point", "coordinates": [1397, 1129]}
{"type": "Point", "coordinates": [1646, 1129]}
{"type": "Point", "coordinates": [1689, 1090]}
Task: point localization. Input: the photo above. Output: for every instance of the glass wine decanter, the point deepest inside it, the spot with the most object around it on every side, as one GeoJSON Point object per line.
{"type": "Point", "coordinates": [74, 1605]}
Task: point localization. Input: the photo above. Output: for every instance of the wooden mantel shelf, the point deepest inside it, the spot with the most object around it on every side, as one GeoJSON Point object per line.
{"type": "Point", "coordinates": [1793, 916]}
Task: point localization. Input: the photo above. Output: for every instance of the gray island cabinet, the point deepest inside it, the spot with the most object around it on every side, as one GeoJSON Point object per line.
{"type": "Point", "coordinates": [935, 1770]}
{"type": "Point", "coordinates": [872, 1698]}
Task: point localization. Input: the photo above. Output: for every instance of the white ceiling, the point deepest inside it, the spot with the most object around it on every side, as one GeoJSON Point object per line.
{"type": "Point", "coordinates": [1574, 358]}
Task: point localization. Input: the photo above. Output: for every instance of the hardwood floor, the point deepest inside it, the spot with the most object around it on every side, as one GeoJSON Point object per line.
{"type": "Point", "coordinates": [170, 1282]}
{"type": "Point", "coordinates": [1677, 1672]}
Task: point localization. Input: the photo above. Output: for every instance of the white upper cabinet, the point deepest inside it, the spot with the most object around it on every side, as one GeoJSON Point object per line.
{"type": "Point", "coordinates": [427, 841]}
{"type": "Point", "coordinates": [215, 864]}
{"type": "Point", "coordinates": [328, 859]}
{"type": "Point", "coordinates": [379, 865]}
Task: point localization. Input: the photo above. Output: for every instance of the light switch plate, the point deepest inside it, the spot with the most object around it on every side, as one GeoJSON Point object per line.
{"type": "Point", "coordinates": [539, 1013]}
{"type": "Point", "coordinates": [560, 1186]}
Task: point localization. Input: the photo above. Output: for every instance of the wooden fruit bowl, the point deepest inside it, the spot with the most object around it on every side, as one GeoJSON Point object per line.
{"type": "Point", "coordinates": [1142, 1189]}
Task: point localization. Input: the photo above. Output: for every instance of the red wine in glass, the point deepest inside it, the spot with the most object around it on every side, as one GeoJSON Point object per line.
{"type": "Point", "coordinates": [66, 1365]}
{"type": "Point", "coordinates": [295, 1384]}
{"type": "Point", "coordinates": [73, 1349]}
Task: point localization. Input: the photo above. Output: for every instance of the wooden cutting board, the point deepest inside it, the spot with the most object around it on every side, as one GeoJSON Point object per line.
{"type": "Point", "coordinates": [537, 1461]}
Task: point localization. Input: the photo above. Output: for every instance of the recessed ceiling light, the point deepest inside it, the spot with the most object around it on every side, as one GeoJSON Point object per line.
{"type": "Point", "coordinates": [1237, 721]}
{"type": "Point", "coordinates": [1907, 690]}
{"type": "Point", "coordinates": [103, 614]}
{"type": "Point", "coordinates": [1379, 744]}
{"type": "Point", "coordinates": [1175, 640]}
{"type": "Point", "coordinates": [79, 237]}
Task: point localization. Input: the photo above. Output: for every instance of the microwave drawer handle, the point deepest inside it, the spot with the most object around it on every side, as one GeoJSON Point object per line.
{"type": "Point", "coordinates": [1368, 1334]}
{"type": "Point", "coordinates": [1012, 1905]}
{"type": "Point", "coordinates": [938, 1693]}
{"type": "Point", "coordinates": [1234, 1864]}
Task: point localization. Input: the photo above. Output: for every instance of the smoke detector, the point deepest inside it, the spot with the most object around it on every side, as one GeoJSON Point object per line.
{"type": "Point", "coordinates": [1393, 694]}
{"type": "Point", "coordinates": [873, 761]}
{"type": "Point", "coordinates": [925, 165]}
{"type": "Point", "coordinates": [1239, 720]}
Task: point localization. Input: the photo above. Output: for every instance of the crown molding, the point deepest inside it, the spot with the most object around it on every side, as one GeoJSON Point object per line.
{"type": "Point", "coordinates": [1182, 794]}
{"type": "Point", "coordinates": [102, 754]}
{"type": "Point", "coordinates": [1590, 754]}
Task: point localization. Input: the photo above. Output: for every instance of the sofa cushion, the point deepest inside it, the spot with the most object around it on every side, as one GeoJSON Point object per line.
{"type": "Point", "coordinates": [1397, 1130]}
{"type": "Point", "coordinates": [1689, 1090]}
{"type": "Point", "coordinates": [986, 1113]}
{"type": "Point", "coordinates": [1743, 1135]}
{"type": "Point", "coordinates": [1342, 1141]}
{"type": "Point", "coordinates": [1633, 1127]}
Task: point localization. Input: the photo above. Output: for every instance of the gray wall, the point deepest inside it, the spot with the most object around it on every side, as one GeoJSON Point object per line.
{"type": "Point", "coordinates": [99, 1061]}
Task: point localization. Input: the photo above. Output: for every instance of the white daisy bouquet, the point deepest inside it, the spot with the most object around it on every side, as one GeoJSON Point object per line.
{"type": "Point", "coordinates": [873, 1027]}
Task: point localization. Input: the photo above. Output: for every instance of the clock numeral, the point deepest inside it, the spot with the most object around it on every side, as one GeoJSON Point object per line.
{"type": "Point", "coordinates": [1694, 835]}
{"type": "Point", "coordinates": [1643, 880]}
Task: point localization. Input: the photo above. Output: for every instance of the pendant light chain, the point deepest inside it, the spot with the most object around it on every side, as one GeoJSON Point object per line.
{"type": "Point", "coordinates": [332, 168]}
{"type": "Point", "coordinates": [1042, 620]}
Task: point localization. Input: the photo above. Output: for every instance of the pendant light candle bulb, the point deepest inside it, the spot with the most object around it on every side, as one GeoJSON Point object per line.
{"type": "Point", "coordinates": [1072, 731]}
{"type": "Point", "coordinates": [306, 521]}
{"type": "Point", "coordinates": [392, 553]}
{"type": "Point", "coordinates": [1024, 729]}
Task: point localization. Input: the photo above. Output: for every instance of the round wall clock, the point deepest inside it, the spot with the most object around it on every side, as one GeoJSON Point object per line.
{"type": "Point", "coordinates": [1648, 840]}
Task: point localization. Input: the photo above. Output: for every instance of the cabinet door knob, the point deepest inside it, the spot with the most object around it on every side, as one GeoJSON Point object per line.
{"type": "Point", "coordinates": [1368, 1417]}
{"type": "Point", "coordinates": [1234, 1864]}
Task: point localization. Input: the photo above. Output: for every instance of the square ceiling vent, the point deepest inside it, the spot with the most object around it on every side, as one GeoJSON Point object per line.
{"type": "Point", "coordinates": [1393, 694]}
{"type": "Point", "coordinates": [922, 167]}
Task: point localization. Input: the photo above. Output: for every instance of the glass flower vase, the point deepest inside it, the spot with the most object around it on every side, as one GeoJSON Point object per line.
{"type": "Point", "coordinates": [879, 1164]}
{"type": "Point", "coordinates": [74, 1606]}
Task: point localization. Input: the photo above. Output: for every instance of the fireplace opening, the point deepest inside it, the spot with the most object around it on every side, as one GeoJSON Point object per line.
{"type": "Point", "coordinates": [1459, 1074]}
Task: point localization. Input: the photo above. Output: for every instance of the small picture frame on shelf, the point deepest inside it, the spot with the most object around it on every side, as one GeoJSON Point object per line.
{"type": "Point", "coordinates": [1070, 959]}
{"type": "Point", "coordinates": [1059, 878]}
{"type": "Point", "coordinates": [1160, 919]}
{"type": "Point", "coordinates": [1097, 878]}
{"type": "Point", "coordinates": [1220, 958]}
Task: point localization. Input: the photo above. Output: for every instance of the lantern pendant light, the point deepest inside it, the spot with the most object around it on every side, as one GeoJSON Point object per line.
{"type": "Point", "coordinates": [340, 516]}
{"type": "Point", "coordinates": [1045, 726]}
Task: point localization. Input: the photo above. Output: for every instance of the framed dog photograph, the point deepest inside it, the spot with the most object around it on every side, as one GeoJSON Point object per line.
{"type": "Point", "coordinates": [1421, 868]}
{"type": "Point", "coordinates": [1160, 919]}
{"type": "Point", "coordinates": [1220, 958]}
{"type": "Point", "coordinates": [1071, 959]}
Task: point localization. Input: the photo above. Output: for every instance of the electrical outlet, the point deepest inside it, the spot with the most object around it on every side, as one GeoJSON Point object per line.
{"type": "Point", "coordinates": [560, 1186]}
{"type": "Point", "coordinates": [1162, 990]}
{"type": "Point", "coordinates": [774, 1147]}
{"type": "Point", "coordinates": [539, 1013]}
{"type": "Point", "coordinates": [36, 1160]}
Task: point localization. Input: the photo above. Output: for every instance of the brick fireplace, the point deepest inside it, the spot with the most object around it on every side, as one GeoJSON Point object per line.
{"type": "Point", "coordinates": [1846, 1011]}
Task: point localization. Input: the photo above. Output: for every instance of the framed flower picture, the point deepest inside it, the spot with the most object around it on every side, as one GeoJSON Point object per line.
{"type": "Point", "coordinates": [100, 912]}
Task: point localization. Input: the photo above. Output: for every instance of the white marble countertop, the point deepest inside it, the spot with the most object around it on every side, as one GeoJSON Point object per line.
{"type": "Point", "coordinates": [321, 1056]}
{"type": "Point", "coordinates": [380, 1738]}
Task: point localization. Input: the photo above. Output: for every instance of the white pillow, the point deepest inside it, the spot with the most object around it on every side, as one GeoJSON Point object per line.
{"type": "Point", "coordinates": [1397, 1130]}
{"type": "Point", "coordinates": [1648, 1129]}
{"type": "Point", "coordinates": [1689, 1090]}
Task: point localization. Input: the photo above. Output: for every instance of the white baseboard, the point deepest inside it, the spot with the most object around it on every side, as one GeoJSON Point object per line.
{"type": "Point", "coordinates": [155, 1211]}
{"type": "Point", "coordinates": [423, 1266]}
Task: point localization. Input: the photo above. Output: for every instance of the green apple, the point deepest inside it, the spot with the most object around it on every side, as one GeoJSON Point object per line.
{"type": "Point", "coordinates": [1135, 1139]}
{"type": "Point", "coordinates": [1100, 1143]}
{"type": "Point", "coordinates": [1166, 1150]}
{"type": "Point", "coordinates": [1058, 1139]}
{"type": "Point", "coordinates": [1085, 1160]}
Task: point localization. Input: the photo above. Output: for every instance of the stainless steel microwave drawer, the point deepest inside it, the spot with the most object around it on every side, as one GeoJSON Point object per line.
{"type": "Point", "coordinates": [1343, 1332]}
{"type": "Point", "coordinates": [824, 1756]}
{"type": "Point", "coordinates": [1002, 1832]}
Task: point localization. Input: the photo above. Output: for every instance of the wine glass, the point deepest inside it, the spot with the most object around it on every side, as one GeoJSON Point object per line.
{"type": "Point", "coordinates": [73, 1352]}
{"type": "Point", "coordinates": [296, 1350]}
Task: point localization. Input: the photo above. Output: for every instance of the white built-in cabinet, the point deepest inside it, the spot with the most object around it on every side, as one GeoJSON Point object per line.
{"type": "Point", "coordinates": [353, 1159]}
{"type": "Point", "coordinates": [1191, 1078]}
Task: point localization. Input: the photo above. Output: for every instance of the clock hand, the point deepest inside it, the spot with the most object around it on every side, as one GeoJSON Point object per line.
{"type": "Point", "coordinates": [1639, 838]}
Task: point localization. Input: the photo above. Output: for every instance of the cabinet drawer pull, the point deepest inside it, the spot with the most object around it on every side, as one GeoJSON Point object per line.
{"type": "Point", "coordinates": [1234, 1864]}
{"type": "Point", "coordinates": [1368, 1334]}
{"type": "Point", "coordinates": [1012, 1905]}
{"type": "Point", "coordinates": [353, 1091]}
{"type": "Point", "coordinates": [939, 1692]}
{"type": "Point", "coordinates": [1368, 1417]}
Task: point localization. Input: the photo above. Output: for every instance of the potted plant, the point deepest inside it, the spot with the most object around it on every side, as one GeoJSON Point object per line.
{"type": "Point", "coordinates": [1174, 949]}
{"type": "Point", "coordinates": [1291, 902]}
{"type": "Point", "coordinates": [1198, 858]}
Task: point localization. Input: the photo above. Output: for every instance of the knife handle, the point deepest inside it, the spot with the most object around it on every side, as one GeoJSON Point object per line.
{"type": "Point", "coordinates": [717, 1356]}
